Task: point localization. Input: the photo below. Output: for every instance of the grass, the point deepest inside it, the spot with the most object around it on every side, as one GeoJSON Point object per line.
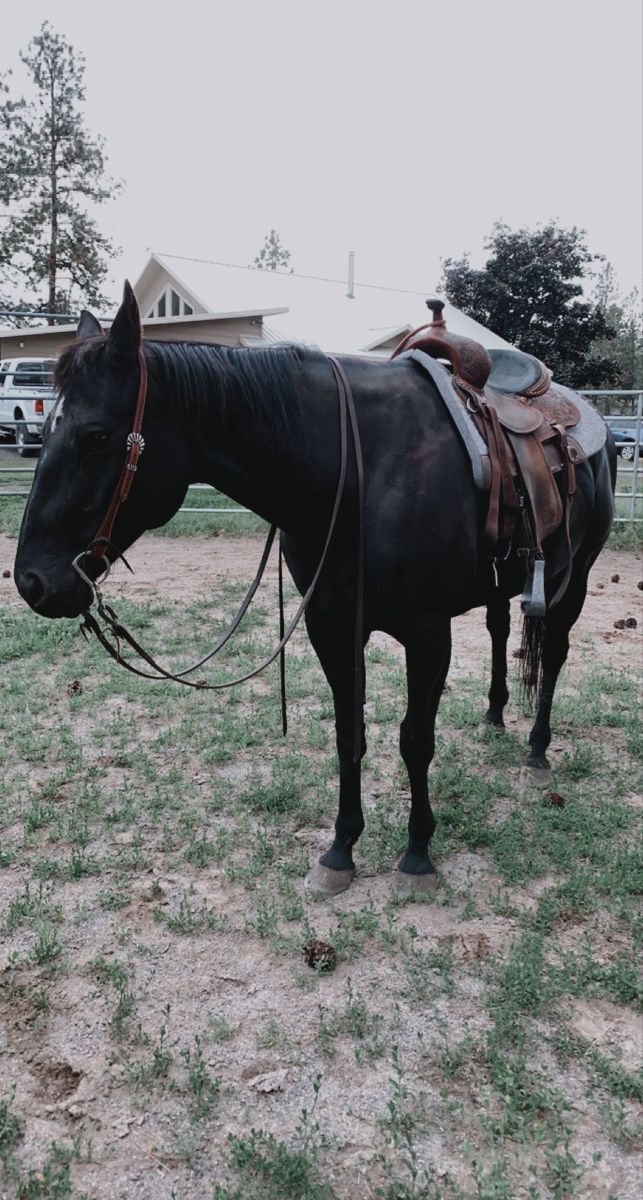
{"type": "Point", "coordinates": [152, 849]}
{"type": "Point", "coordinates": [183, 524]}
{"type": "Point", "coordinates": [271, 1168]}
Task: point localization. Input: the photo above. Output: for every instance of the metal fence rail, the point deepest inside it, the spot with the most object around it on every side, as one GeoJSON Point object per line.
{"type": "Point", "coordinates": [633, 495]}
{"type": "Point", "coordinates": [634, 470]}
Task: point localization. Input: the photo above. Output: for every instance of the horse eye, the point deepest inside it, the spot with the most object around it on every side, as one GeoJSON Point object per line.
{"type": "Point", "coordinates": [95, 439]}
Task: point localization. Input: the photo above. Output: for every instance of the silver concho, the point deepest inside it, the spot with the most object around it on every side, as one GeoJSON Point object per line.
{"type": "Point", "coordinates": [135, 439]}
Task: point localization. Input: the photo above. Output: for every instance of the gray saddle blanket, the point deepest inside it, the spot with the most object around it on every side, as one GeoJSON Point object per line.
{"type": "Point", "coordinates": [589, 433]}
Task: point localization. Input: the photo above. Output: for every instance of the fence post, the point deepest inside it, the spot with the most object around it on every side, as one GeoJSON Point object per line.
{"type": "Point", "coordinates": [637, 455]}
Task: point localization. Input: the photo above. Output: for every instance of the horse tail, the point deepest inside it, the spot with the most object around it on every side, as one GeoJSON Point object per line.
{"type": "Point", "coordinates": [533, 637]}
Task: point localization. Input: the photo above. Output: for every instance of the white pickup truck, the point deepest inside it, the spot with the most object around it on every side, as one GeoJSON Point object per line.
{"type": "Point", "coordinates": [26, 397]}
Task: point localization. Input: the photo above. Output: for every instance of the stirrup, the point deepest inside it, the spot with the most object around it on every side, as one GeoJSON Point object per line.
{"type": "Point", "coordinates": [532, 601]}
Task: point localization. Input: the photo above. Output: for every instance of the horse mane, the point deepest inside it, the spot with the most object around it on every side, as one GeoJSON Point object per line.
{"type": "Point", "coordinates": [189, 372]}
{"type": "Point", "coordinates": [188, 375]}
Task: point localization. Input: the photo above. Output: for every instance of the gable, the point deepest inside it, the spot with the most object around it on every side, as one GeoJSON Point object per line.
{"type": "Point", "coordinates": [161, 293]}
{"type": "Point", "coordinates": [170, 302]}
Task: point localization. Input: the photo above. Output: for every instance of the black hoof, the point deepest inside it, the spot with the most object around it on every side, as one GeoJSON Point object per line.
{"type": "Point", "coordinates": [494, 721]}
{"type": "Point", "coordinates": [538, 761]}
{"type": "Point", "coordinates": [416, 864]}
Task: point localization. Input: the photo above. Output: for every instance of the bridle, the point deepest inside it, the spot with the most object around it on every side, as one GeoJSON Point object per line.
{"type": "Point", "coordinates": [113, 633]}
{"type": "Point", "coordinates": [134, 447]}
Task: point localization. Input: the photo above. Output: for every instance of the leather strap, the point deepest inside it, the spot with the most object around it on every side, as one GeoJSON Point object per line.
{"type": "Point", "coordinates": [120, 633]}
{"type": "Point", "coordinates": [282, 656]}
{"type": "Point", "coordinates": [135, 444]}
{"type": "Point", "coordinates": [358, 710]}
{"type": "Point", "coordinates": [568, 500]}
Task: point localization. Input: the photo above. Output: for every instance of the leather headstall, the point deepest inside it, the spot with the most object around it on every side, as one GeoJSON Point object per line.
{"type": "Point", "coordinates": [135, 445]}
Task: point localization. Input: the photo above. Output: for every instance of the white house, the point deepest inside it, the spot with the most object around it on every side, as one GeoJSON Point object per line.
{"type": "Point", "coordinates": [315, 312]}
{"type": "Point", "coordinates": [193, 300]}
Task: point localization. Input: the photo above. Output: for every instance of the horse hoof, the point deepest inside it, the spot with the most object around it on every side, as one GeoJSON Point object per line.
{"type": "Point", "coordinates": [495, 726]}
{"type": "Point", "coordinates": [536, 772]}
{"type": "Point", "coordinates": [406, 885]}
{"type": "Point", "coordinates": [327, 882]}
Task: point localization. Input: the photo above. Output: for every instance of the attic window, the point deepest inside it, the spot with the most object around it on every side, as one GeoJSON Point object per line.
{"type": "Point", "coordinates": [171, 303]}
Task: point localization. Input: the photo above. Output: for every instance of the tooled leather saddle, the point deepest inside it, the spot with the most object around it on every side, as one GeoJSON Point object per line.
{"type": "Point", "coordinates": [527, 423]}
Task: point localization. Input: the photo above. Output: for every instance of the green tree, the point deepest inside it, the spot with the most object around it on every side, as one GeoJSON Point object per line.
{"type": "Point", "coordinates": [51, 169]}
{"type": "Point", "coordinates": [530, 292]}
{"type": "Point", "coordinates": [625, 316]}
{"type": "Point", "coordinates": [273, 256]}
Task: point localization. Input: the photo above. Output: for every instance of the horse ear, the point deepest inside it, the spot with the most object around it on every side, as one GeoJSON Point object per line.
{"type": "Point", "coordinates": [88, 326]}
{"type": "Point", "coordinates": [125, 335]}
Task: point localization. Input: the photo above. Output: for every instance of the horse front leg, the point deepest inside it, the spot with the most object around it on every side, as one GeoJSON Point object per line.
{"type": "Point", "coordinates": [498, 624]}
{"type": "Point", "coordinates": [427, 664]}
{"type": "Point", "coordinates": [333, 640]}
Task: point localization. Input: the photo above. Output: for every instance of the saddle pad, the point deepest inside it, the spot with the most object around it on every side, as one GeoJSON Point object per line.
{"type": "Point", "coordinates": [590, 432]}
{"type": "Point", "coordinates": [473, 442]}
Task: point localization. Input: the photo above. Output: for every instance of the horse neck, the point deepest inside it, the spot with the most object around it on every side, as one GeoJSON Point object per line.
{"type": "Point", "coordinates": [256, 444]}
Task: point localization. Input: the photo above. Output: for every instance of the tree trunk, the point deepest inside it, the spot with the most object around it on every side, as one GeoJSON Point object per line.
{"type": "Point", "coordinates": [53, 241]}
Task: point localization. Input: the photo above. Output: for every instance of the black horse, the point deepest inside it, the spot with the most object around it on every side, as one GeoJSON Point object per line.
{"type": "Point", "coordinates": [262, 426]}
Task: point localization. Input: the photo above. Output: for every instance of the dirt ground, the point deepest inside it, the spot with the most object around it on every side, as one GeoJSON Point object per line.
{"type": "Point", "coordinates": [183, 568]}
{"type": "Point", "coordinates": [271, 1030]}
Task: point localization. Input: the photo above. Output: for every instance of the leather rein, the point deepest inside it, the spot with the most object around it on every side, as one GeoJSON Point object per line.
{"type": "Point", "coordinates": [112, 633]}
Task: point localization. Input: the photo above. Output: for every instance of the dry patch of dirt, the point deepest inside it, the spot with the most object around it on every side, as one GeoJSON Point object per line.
{"type": "Point", "coordinates": [183, 568]}
{"type": "Point", "coordinates": [610, 1028]}
{"type": "Point", "coordinates": [267, 1023]}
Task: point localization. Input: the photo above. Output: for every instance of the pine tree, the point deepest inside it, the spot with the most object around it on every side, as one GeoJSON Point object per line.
{"type": "Point", "coordinates": [51, 169]}
{"type": "Point", "coordinates": [273, 256]}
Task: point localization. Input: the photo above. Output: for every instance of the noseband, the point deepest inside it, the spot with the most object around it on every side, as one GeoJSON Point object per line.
{"type": "Point", "coordinates": [112, 633]}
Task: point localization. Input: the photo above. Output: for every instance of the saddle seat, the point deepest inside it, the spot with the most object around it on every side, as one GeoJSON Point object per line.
{"type": "Point", "coordinates": [523, 418]}
{"type": "Point", "coordinates": [517, 373]}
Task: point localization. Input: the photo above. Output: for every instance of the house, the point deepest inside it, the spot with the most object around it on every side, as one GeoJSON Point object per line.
{"type": "Point", "coordinates": [191, 299]}
{"type": "Point", "coordinates": [313, 311]}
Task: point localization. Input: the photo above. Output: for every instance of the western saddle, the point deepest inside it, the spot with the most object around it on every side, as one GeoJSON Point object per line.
{"type": "Point", "coordinates": [524, 420]}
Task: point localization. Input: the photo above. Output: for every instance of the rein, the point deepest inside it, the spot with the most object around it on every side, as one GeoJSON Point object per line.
{"type": "Point", "coordinates": [113, 633]}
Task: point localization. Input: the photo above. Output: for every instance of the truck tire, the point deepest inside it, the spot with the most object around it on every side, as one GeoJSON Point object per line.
{"type": "Point", "coordinates": [24, 441]}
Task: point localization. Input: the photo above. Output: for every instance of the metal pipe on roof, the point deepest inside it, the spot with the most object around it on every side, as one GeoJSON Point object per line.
{"type": "Point", "coordinates": [351, 275]}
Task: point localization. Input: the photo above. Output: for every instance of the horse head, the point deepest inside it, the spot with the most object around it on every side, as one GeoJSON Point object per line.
{"type": "Point", "coordinates": [79, 469]}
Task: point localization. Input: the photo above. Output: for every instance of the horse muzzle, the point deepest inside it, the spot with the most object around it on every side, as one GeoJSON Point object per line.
{"type": "Point", "coordinates": [49, 598]}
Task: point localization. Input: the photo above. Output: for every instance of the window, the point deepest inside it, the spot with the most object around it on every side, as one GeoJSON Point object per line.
{"type": "Point", "coordinates": [34, 374]}
{"type": "Point", "coordinates": [170, 303]}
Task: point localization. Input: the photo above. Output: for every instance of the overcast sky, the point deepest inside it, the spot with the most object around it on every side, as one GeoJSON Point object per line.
{"type": "Point", "coordinates": [401, 131]}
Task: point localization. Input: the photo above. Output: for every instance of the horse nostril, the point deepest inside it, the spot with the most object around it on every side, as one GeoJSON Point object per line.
{"type": "Point", "coordinates": [31, 588]}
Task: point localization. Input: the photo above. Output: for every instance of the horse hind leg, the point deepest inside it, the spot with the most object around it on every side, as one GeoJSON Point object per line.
{"type": "Point", "coordinates": [427, 664]}
{"type": "Point", "coordinates": [498, 624]}
{"type": "Point", "coordinates": [555, 648]}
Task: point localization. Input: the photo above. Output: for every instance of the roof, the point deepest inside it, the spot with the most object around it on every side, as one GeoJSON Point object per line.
{"type": "Point", "coordinates": [38, 330]}
{"type": "Point", "coordinates": [319, 313]}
